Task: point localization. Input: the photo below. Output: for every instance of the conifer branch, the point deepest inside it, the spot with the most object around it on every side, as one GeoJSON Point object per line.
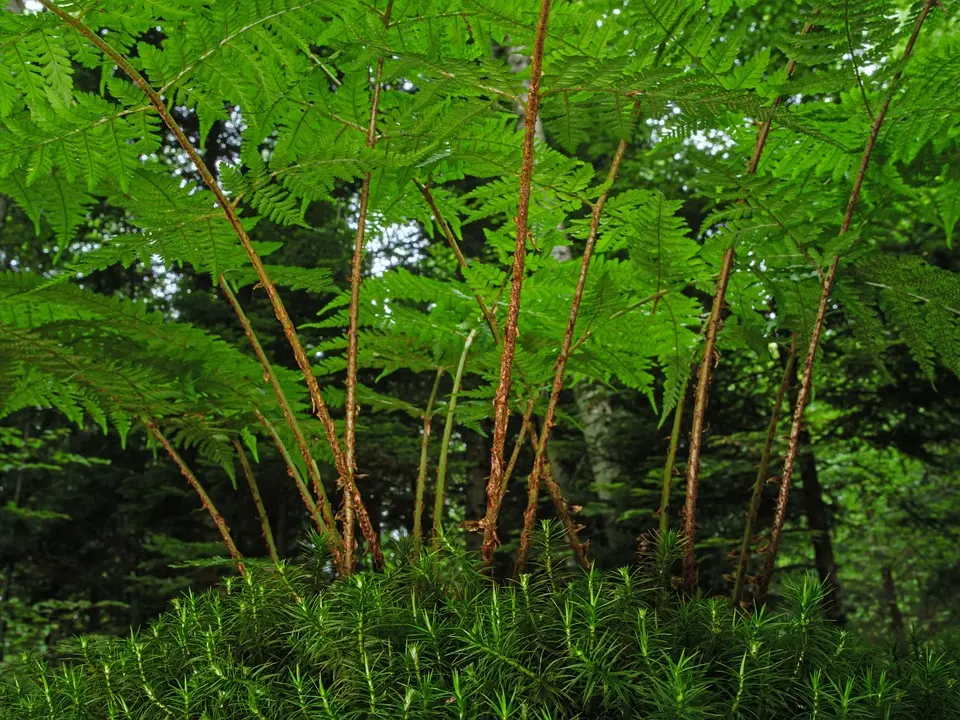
{"type": "Point", "coordinates": [422, 472]}
{"type": "Point", "coordinates": [198, 488]}
{"type": "Point", "coordinates": [445, 442]}
{"type": "Point", "coordinates": [670, 465]}
{"type": "Point", "coordinates": [461, 260]}
{"type": "Point", "coordinates": [560, 367]}
{"type": "Point", "coordinates": [258, 502]}
{"type": "Point", "coordinates": [312, 470]}
{"type": "Point", "coordinates": [743, 559]}
{"type": "Point", "coordinates": [502, 398]}
{"type": "Point", "coordinates": [704, 372]}
{"type": "Point", "coordinates": [351, 496]}
{"type": "Point", "coordinates": [806, 380]}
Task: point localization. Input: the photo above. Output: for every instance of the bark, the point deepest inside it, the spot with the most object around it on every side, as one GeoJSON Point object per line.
{"type": "Point", "coordinates": [893, 607]}
{"type": "Point", "coordinates": [600, 421]}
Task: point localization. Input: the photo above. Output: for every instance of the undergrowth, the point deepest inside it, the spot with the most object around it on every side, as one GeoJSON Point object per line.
{"type": "Point", "coordinates": [435, 638]}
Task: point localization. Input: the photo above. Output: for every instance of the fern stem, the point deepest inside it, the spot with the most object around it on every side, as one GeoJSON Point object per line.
{"type": "Point", "coordinates": [422, 473]}
{"type": "Point", "coordinates": [806, 380]}
{"type": "Point", "coordinates": [502, 397]}
{"type": "Point", "coordinates": [461, 260]}
{"type": "Point", "coordinates": [668, 468]}
{"type": "Point", "coordinates": [560, 367]}
{"type": "Point", "coordinates": [702, 393]}
{"type": "Point", "coordinates": [320, 406]}
{"type": "Point", "coordinates": [312, 470]}
{"type": "Point", "coordinates": [352, 504]}
{"type": "Point", "coordinates": [517, 446]}
{"type": "Point", "coordinates": [445, 442]}
{"type": "Point", "coordinates": [701, 398]}
{"type": "Point", "coordinates": [744, 558]}
{"type": "Point", "coordinates": [315, 512]}
{"type": "Point", "coordinates": [258, 502]}
{"type": "Point", "coordinates": [198, 488]}
{"type": "Point", "coordinates": [561, 506]}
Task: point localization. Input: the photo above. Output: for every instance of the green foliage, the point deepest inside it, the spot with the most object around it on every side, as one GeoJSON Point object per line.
{"type": "Point", "coordinates": [437, 639]}
{"type": "Point", "coordinates": [292, 78]}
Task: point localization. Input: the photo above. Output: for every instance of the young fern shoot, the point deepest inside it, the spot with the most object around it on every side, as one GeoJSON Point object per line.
{"type": "Point", "coordinates": [445, 442]}
{"type": "Point", "coordinates": [422, 471]}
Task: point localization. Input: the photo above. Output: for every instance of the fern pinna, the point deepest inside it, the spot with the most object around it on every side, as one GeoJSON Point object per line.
{"type": "Point", "coordinates": [414, 109]}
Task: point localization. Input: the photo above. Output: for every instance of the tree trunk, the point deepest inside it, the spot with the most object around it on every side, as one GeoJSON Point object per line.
{"type": "Point", "coordinates": [818, 520]}
{"type": "Point", "coordinates": [600, 422]}
{"type": "Point", "coordinates": [893, 607]}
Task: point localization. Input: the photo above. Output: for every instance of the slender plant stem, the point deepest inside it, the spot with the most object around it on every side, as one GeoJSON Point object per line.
{"type": "Point", "coordinates": [312, 470]}
{"type": "Point", "coordinates": [461, 260]}
{"type": "Point", "coordinates": [560, 367]}
{"type": "Point", "coordinates": [198, 488]}
{"type": "Point", "coordinates": [502, 397]}
{"type": "Point", "coordinates": [517, 446]}
{"type": "Point", "coordinates": [561, 506]}
{"type": "Point", "coordinates": [761, 480]}
{"type": "Point", "coordinates": [702, 393]}
{"type": "Point", "coordinates": [445, 442]}
{"type": "Point", "coordinates": [315, 512]}
{"type": "Point", "coordinates": [258, 502]}
{"type": "Point", "coordinates": [351, 496]}
{"type": "Point", "coordinates": [806, 380]}
{"type": "Point", "coordinates": [701, 398]}
{"type": "Point", "coordinates": [668, 467]}
{"type": "Point", "coordinates": [229, 211]}
{"type": "Point", "coordinates": [422, 473]}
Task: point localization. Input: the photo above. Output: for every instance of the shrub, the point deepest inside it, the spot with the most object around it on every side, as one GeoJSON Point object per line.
{"type": "Point", "coordinates": [435, 638]}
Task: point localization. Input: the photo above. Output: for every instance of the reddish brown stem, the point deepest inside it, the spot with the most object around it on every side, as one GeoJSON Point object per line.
{"type": "Point", "coordinates": [701, 399]}
{"type": "Point", "coordinates": [458, 253]}
{"type": "Point", "coordinates": [263, 277]}
{"type": "Point", "coordinates": [502, 397]}
{"type": "Point", "coordinates": [761, 480]}
{"type": "Point", "coordinates": [315, 512]}
{"type": "Point", "coordinates": [258, 502]}
{"type": "Point", "coordinates": [351, 495]}
{"type": "Point", "coordinates": [702, 394]}
{"type": "Point", "coordinates": [533, 482]}
{"type": "Point", "coordinates": [515, 455]}
{"type": "Point", "coordinates": [204, 498]}
{"type": "Point", "coordinates": [806, 381]}
{"type": "Point", "coordinates": [561, 506]}
{"type": "Point", "coordinates": [312, 470]}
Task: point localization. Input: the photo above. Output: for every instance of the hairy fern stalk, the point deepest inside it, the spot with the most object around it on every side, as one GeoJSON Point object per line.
{"type": "Point", "coordinates": [436, 639]}
{"type": "Point", "coordinates": [411, 107]}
